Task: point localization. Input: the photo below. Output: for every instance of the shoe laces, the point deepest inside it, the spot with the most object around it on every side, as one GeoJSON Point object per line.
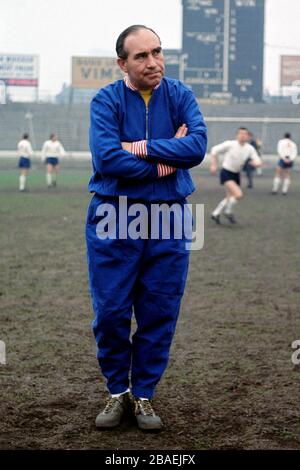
{"type": "Point", "coordinates": [144, 406]}
{"type": "Point", "coordinates": [111, 403]}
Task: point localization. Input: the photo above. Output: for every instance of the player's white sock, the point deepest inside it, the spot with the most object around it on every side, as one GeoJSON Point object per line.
{"type": "Point", "coordinates": [286, 185]}
{"type": "Point", "coordinates": [116, 395]}
{"type": "Point", "coordinates": [230, 205]}
{"type": "Point", "coordinates": [276, 184]}
{"type": "Point", "coordinates": [22, 182]}
{"type": "Point", "coordinates": [220, 207]}
{"type": "Point", "coordinates": [49, 179]}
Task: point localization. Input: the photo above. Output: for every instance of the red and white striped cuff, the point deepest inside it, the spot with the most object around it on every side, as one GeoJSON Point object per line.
{"type": "Point", "coordinates": [139, 148]}
{"type": "Point", "coordinates": [165, 170]}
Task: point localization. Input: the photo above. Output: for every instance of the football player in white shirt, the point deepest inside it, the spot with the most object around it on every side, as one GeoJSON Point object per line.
{"type": "Point", "coordinates": [236, 153]}
{"type": "Point", "coordinates": [51, 151]}
{"type": "Point", "coordinates": [24, 152]}
{"type": "Point", "coordinates": [287, 151]}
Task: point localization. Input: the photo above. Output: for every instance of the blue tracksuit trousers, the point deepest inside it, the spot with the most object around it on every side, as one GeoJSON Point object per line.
{"type": "Point", "coordinates": [141, 276]}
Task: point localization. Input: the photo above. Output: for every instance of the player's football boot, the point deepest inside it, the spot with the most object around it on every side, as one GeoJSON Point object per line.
{"type": "Point", "coordinates": [231, 218]}
{"type": "Point", "coordinates": [216, 218]}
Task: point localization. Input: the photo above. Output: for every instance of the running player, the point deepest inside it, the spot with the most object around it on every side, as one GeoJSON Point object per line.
{"type": "Point", "coordinates": [24, 152]}
{"type": "Point", "coordinates": [236, 152]}
{"type": "Point", "coordinates": [287, 150]}
{"type": "Point", "coordinates": [51, 151]}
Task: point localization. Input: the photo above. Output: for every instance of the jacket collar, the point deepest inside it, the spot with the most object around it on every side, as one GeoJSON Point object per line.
{"type": "Point", "coordinates": [132, 87]}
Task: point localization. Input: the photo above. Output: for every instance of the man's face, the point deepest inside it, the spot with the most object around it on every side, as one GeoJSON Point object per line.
{"type": "Point", "coordinates": [242, 136]}
{"type": "Point", "coordinates": [145, 62]}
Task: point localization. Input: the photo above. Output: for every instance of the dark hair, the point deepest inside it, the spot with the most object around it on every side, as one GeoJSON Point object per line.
{"type": "Point", "coordinates": [52, 135]}
{"type": "Point", "coordinates": [121, 39]}
{"type": "Point", "coordinates": [243, 129]}
{"type": "Point", "coordinates": [25, 136]}
{"type": "Point", "coordinates": [287, 135]}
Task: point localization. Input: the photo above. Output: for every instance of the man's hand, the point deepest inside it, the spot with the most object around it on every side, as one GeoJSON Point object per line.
{"type": "Point", "coordinates": [126, 146]}
{"type": "Point", "coordinates": [181, 131]}
{"type": "Point", "coordinates": [254, 164]}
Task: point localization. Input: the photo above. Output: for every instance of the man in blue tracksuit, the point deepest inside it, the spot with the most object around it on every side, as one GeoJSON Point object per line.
{"type": "Point", "coordinates": [146, 131]}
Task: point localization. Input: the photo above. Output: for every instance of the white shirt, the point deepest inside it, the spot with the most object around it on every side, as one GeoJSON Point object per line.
{"type": "Point", "coordinates": [287, 148]}
{"type": "Point", "coordinates": [24, 148]}
{"type": "Point", "coordinates": [235, 154]}
{"type": "Point", "coordinates": [52, 149]}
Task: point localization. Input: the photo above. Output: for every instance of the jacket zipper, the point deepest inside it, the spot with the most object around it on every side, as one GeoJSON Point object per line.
{"type": "Point", "coordinates": [147, 123]}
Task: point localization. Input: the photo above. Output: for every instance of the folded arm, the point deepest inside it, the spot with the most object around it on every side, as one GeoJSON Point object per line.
{"type": "Point", "coordinates": [109, 158]}
{"type": "Point", "coordinates": [183, 151]}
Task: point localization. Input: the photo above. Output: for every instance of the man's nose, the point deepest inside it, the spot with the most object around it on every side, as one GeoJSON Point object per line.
{"type": "Point", "coordinates": [151, 62]}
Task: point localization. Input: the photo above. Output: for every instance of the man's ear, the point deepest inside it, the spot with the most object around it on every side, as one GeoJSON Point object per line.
{"type": "Point", "coordinates": [122, 64]}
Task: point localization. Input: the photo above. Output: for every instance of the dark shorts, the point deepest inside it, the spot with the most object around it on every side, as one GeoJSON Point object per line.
{"type": "Point", "coordinates": [24, 162]}
{"type": "Point", "coordinates": [226, 175]}
{"type": "Point", "coordinates": [285, 166]}
{"type": "Point", "coordinates": [52, 161]}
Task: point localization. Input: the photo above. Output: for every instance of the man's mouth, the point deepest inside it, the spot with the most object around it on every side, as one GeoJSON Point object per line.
{"type": "Point", "coordinates": [151, 74]}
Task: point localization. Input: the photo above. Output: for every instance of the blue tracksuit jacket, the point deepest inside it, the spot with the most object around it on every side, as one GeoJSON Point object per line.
{"type": "Point", "coordinates": [118, 113]}
{"type": "Point", "coordinates": [144, 275]}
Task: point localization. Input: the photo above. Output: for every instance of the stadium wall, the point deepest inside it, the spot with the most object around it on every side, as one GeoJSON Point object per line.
{"type": "Point", "coordinates": [71, 123]}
